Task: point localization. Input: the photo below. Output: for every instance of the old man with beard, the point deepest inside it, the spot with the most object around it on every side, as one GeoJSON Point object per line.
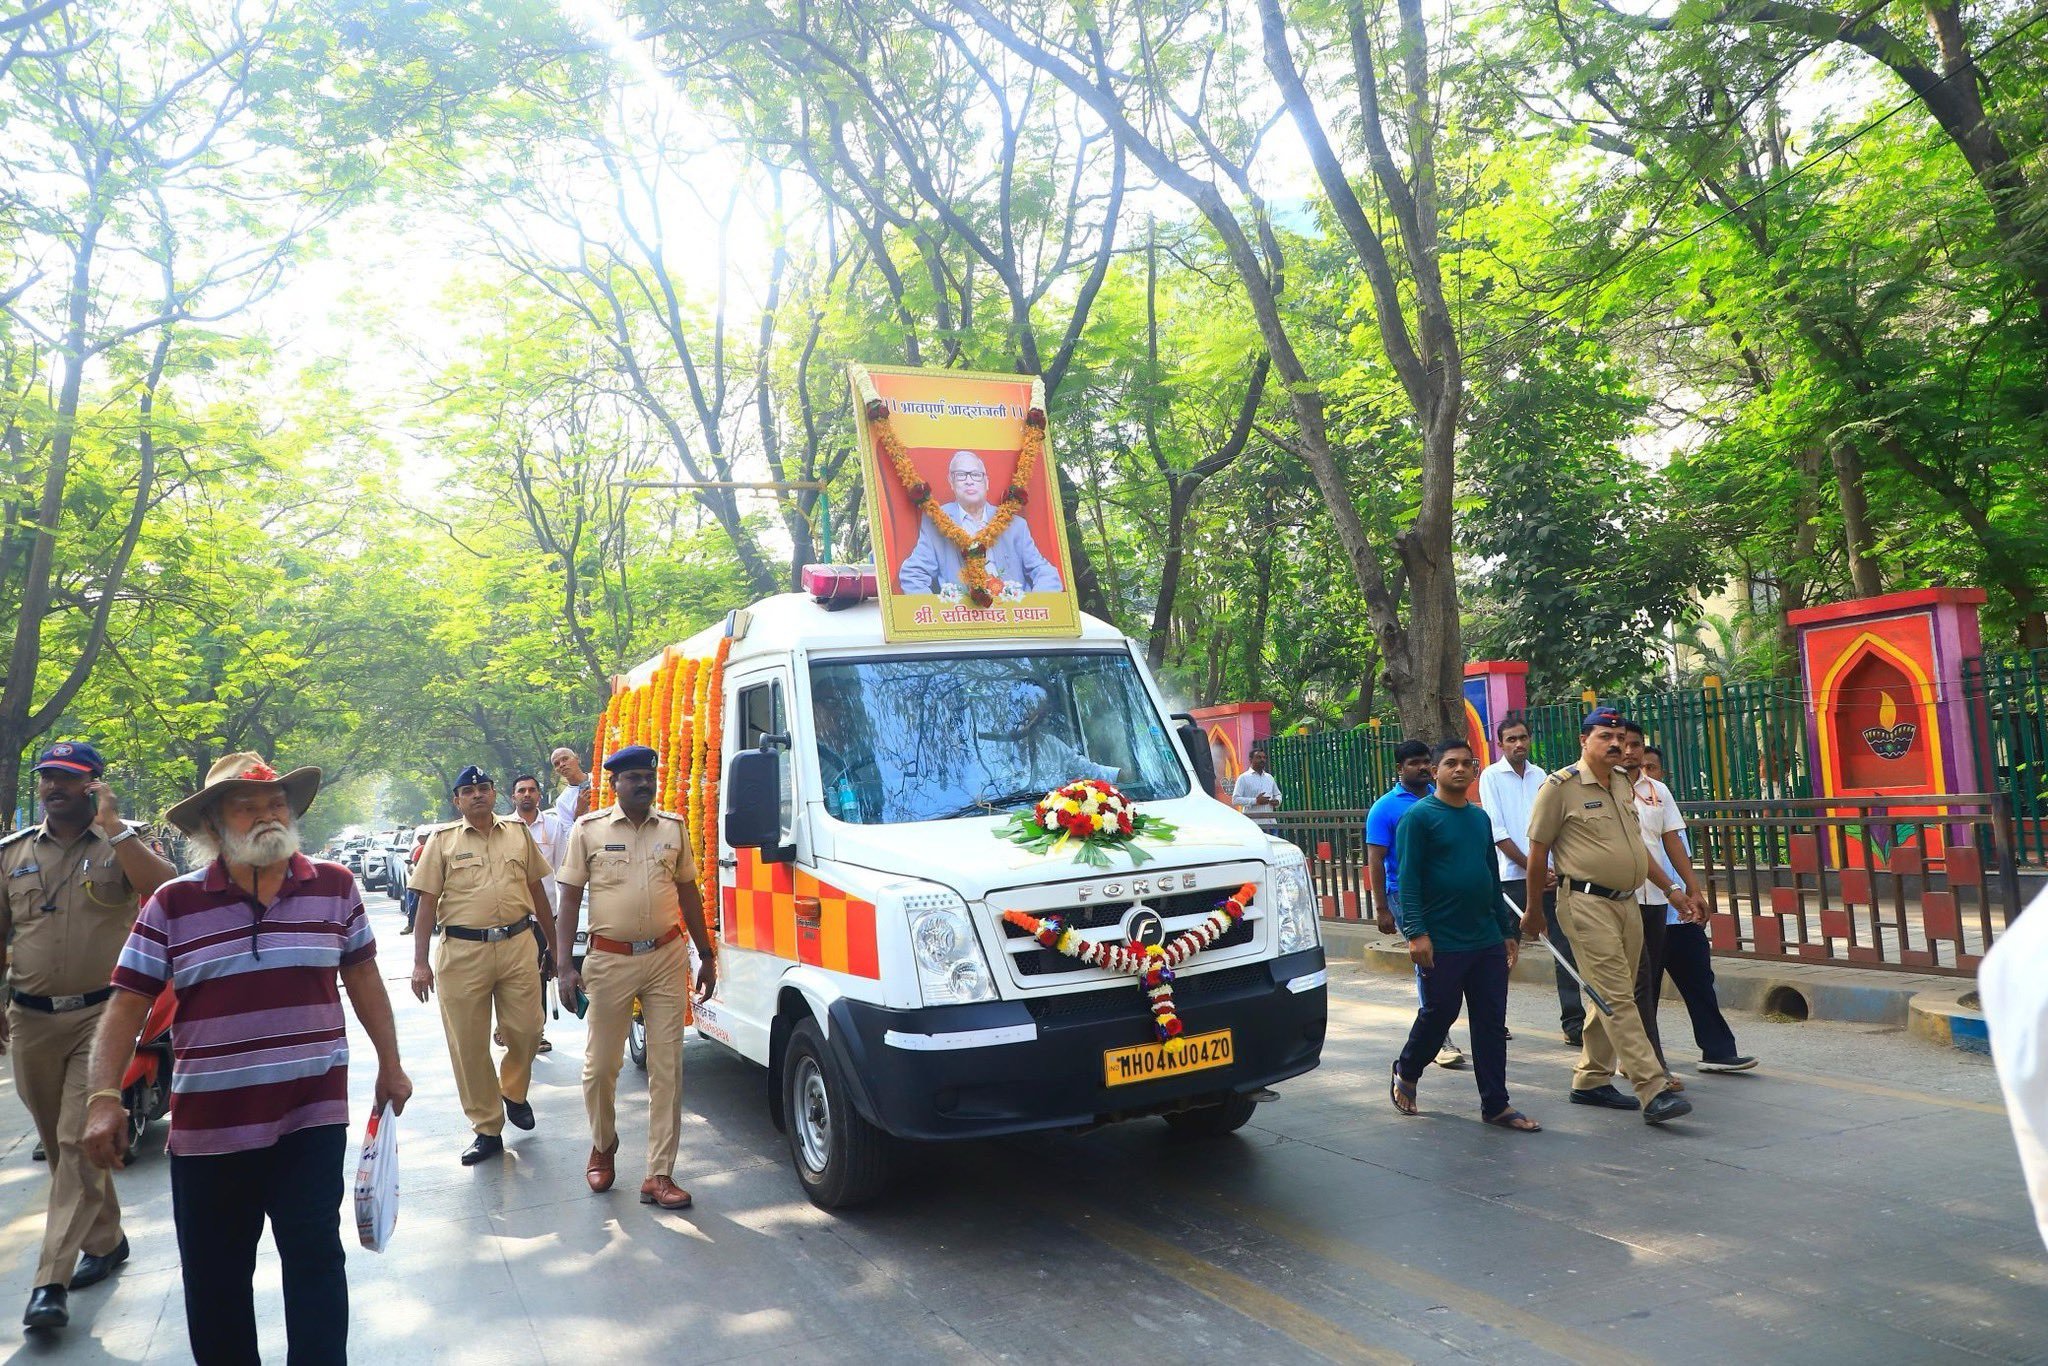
{"type": "Point", "coordinates": [255, 943]}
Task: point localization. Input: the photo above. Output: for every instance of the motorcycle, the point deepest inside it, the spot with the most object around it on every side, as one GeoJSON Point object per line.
{"type": "Point", "coordinates": [146, 1085]}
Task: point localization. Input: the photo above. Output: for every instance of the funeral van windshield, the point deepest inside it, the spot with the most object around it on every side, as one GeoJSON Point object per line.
{"type": "Point", "coordinates": [935, 737]}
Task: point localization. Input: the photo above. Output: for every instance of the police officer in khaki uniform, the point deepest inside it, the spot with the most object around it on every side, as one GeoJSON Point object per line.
{"type": "Point", "coordinates": [642, 884]}
{"type": "Point", "coordinates": [72, 888]}
{"type": "Point", "coordinates": [1584, 819]}
{"type": "Point", "coordinates": [479, 879]}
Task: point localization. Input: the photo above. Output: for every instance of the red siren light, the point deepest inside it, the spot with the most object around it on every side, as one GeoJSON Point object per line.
{"type": "Point", "coordinates": [835, 586]}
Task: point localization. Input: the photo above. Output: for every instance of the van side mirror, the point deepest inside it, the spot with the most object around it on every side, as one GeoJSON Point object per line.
{"type": "Point", "coordinates": [1194, 742]}
{"type": "Point", "coordinates": [753, 804]}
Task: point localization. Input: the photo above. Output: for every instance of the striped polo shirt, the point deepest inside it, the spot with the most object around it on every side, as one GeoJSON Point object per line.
{"type": "Point", "coordinates": [259, 1045]}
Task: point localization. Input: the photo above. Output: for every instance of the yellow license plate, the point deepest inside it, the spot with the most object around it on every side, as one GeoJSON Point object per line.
{"type": "Point", "coordinates": [1154, 1061]}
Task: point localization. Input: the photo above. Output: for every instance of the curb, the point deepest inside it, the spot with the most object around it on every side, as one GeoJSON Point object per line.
{"type": "Point", "coordinates": [1946, 1017]}
{"type": "Point", "coordinates": [1798, 991]}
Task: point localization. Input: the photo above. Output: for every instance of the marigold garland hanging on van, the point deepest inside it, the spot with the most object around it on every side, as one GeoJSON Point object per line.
{"type": "Point", "coordinates": [1151, 964]}
{"type": "Point", "coordinates": [981, 586]}
{"type": "Point", "coordinates": [1091, 815]}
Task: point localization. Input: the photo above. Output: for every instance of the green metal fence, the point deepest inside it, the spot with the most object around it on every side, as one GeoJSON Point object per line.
{"type": "Point", "coordinates": [1734, 742]}
{"type": "Point", "coordinates": [1337, 770]}
{"type": "Point", "coordinates": [2007, 696]}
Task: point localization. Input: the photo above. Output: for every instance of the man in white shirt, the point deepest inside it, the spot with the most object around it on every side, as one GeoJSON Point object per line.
{"type": "Point", "coordinates": [545, 828]}
{"type": "Point", "coordinates": [1507, 788]}
{"type": "Point", "coordinates": [575, 798]}
{"type": "Point", "coordinates": [1255, 793]}
{"type": "Point", "coordinates": [1688, 956]}
{"type": "Point", "coordinates": [1663, 831]}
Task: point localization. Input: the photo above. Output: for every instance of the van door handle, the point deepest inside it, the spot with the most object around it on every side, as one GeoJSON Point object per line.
{"type": "Point", "coordinates": [729, 863]}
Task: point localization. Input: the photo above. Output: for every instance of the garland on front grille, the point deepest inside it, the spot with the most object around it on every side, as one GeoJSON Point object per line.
{"type": "Point", "coordinates": [1151, 964]}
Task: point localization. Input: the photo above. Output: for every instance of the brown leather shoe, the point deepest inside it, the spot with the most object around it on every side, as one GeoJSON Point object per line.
{"type": "Point", "coordinates": [659, 1190]}
{"type": "Point", "coordinates": [598, 1171]}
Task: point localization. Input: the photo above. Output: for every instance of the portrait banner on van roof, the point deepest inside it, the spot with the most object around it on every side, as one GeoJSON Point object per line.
{"type": "Point", "coordinates": [962, 505]}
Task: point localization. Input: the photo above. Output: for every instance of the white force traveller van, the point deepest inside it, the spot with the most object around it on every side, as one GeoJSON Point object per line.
{"type": "Point", "coordinates": [862, 881]}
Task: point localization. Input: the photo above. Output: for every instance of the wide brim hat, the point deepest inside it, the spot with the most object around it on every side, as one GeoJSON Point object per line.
{"type": "Point", "coordinates": [240, 772]}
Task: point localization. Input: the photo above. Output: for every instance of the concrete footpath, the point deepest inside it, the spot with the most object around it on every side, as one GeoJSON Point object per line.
{"type": "Point", "coordinates": [1856, 1200]}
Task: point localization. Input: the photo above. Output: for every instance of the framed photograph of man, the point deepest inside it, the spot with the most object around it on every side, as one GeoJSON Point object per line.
{"type": "Point", "coordinates": [962, 504]}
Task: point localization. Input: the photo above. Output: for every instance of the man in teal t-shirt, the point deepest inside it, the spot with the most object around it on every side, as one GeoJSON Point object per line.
{"type": "Point", "coordinates": [1462, 935]}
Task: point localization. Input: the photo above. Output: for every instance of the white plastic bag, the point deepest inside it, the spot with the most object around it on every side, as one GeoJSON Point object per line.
{"type": "Point", "coordinates": [377, 1181]}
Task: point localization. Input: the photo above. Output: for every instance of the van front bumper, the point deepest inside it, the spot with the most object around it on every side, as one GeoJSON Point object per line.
{"type": "Point", "coordinates": [1008, 1067]}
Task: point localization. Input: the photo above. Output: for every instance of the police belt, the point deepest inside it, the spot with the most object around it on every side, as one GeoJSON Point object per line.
{"type": "Point", "coordinates": [598, 941]}
{"type": "Point", "coordinates": [490, 936]}
{"type": "Point", "coordinates": [1595, 889]}
{"type": "Point", "coordinates": [60, 1005]}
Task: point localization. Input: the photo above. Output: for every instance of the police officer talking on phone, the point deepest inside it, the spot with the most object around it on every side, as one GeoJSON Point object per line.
{"type": "Point", "coordinates": [73, 885]}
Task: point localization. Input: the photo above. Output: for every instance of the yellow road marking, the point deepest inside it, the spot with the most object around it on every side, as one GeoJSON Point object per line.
{"type": "Point", "coordinates": [1232, 1291]}
{"type": "Point", "coordinates": [1833, 1083]}
{"type": "Point", "coordinates": [1476, 1305]}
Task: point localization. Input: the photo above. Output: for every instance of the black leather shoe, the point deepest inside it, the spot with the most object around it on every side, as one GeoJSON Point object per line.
{"type": "Point", "coordinates": [1670, 1105]}
{"type": "Point", "coordinates": [1604, 1096]}
{"type": "Point", "coordinates": [1575, 1037]}
{"type": "Point", "coordinates": [94, 1269]}
{"type": "Point", "coordinates": [485, 1146]}
{"type": "Point", "coordinates": [519, 1112]}
{"type": "Point", "coordinates": [47, 1307]}
{"type": "Point", "coordinates": [40, 1154]}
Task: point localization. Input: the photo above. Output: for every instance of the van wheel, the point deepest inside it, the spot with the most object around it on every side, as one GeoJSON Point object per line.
{"type": "Point", "coordinates": [1213, 1121]}
{"type": "Point", "coordinates": [636, 1043]}
{"type": "Point", "coordinates": [841, 1158]}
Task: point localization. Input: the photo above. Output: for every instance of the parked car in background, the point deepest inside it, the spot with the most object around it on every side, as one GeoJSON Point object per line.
{"type": "Point", "coordinates": [352, 855]}
{"type": "Point", "coordinates": [377, 859]}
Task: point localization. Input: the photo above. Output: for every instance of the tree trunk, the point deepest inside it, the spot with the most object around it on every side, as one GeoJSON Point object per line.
{"type": "Point", "coordinates": [1180, 497]}
{"type": "Point", "coordinates": [1857, 540]}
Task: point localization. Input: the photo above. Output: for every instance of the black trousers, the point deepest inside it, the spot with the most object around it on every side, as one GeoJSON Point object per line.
{"type": "Point", "coordinates": [1571, 1002]}
{"type": "Point", "coordinates": [219, 1204]}
{"type": "Point", "coordinates": [1689, 960]}
{"type": "Point", "coordinates": [1478, 978]}
{"type": "Point", "coordinates": [1650, 972]}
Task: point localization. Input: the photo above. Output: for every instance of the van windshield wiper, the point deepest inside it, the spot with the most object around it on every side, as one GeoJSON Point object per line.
{"type": "Point", "coordinates": [989, 805]}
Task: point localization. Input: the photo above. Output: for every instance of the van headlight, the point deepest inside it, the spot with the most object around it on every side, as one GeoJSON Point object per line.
{"type": "Point", "coordinates": [1294, 907]}
{"type": "Point", "coordinates": [951, 970]}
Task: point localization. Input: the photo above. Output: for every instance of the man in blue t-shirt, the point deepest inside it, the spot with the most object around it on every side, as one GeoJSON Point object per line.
{"type": "Point", "coordinates": [1383, 868]}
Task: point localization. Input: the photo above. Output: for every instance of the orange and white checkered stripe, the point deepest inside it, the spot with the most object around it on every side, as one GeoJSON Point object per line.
{"type": "Point", "coordinates": [760, 914]}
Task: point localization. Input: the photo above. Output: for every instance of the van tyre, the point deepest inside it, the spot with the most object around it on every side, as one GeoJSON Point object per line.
{"type": "Point", "coordinates": [1213, 1121]}
{"type": "Point", "coordinates": [841, 1158]}
{"type": "Point", "coordinates": [636, 1043]}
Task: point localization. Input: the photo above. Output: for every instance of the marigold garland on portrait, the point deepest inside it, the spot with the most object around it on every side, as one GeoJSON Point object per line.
{"type": "Point", "coordinates": [982, 587]}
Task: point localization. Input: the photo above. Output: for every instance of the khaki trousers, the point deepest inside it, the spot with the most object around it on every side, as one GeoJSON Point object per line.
{"type": "Point", "coordinates": [661, 980]}
{"type": "Point", "coordinates": [50, 1054]}
{"type": "Point", "coordinates": [1607, 939]}
{"type": "Point", "coordinates": [475, 978]}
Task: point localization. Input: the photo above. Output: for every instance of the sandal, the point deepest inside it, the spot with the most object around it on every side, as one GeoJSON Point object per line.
{"type": "Point", "coordinates": [1402, 1093]}
{"type": "Point", "coordinates": [1516, 1120]}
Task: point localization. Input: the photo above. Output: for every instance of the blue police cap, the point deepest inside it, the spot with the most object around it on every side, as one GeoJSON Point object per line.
{"type": "Point", "coordinates": [1600, 716]}
{"type": "Point", "coordinates": [71, 756]}
{"type": "Point", "coordinates": [632, 756]}
{"type": "Point", "coordinates": [472, 776]}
